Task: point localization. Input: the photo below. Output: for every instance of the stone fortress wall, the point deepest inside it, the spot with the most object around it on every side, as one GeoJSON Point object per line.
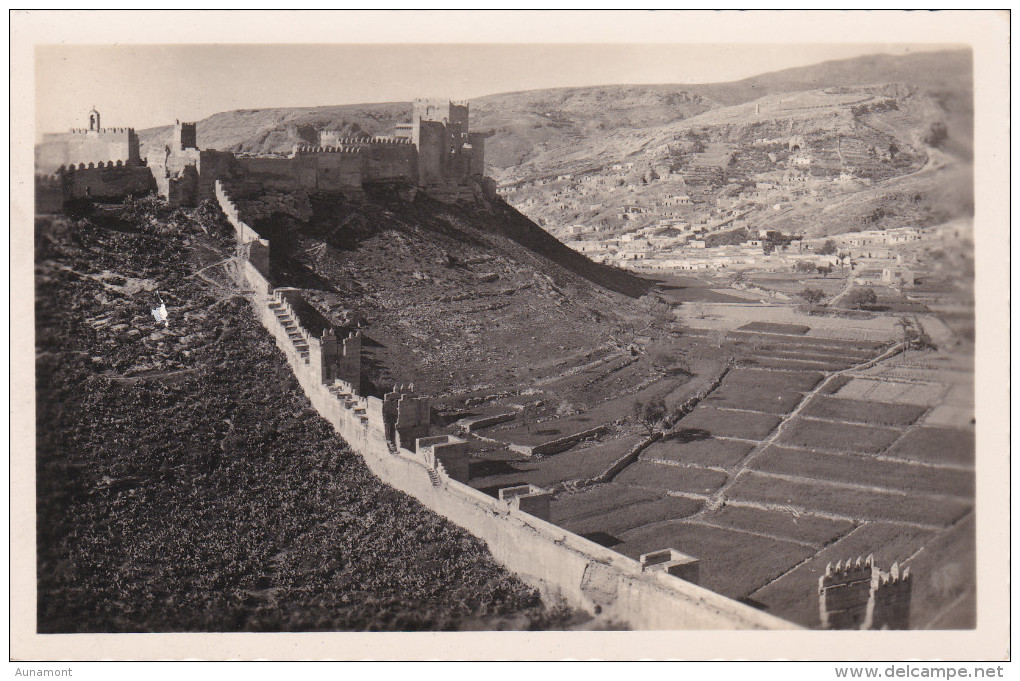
{"type": "Point", "coordinates": [94, 162]}
{"type": "Point", "coordinates": [94, 144]}
{"type": "Point", "coordinates": [436, 152]}
{"type": "Point", "coordinates": [392, 435]}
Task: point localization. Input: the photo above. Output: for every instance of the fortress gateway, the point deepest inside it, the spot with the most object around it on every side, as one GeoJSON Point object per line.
{"type": "Point", "coordinates": [435, 152]}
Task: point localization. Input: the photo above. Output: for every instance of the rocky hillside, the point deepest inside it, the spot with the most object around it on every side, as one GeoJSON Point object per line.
{"type": "Point", "coordinates": [184, 481]}
{"type": "Point", "coordinates": [454, 299]}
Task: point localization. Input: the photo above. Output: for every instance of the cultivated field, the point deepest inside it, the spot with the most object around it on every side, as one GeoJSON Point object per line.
{"type": "Point", "coordinates": [791, 463]}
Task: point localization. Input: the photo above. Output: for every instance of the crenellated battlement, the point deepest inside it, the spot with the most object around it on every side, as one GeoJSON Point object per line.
{"type": "Point", "coordinates": [316, 149]}
{"type": "Point", "coordinates": [848, 572]}
{"type": "Point", "coordinates": [334, 139]}
{"type": "Point", "coordinates": [101, 147]}
{"type": "Point", "coordinates": [435, 153]}
{"type": "Point", "coordinates": [858, 595]}
{"type": "Point", "coordinates": [102, 164]}
{"type": "Point", "coordinates": [102, 131]}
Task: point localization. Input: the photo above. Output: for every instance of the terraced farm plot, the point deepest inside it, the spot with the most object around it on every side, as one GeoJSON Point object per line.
{"type": "Point", "coordinates": [491, 470]}
{"type": "Point", "coordinates": [763, 361]}
{"type": "Point", "coordinates": [871, 413]}
{"type": "Point", "coordinates": [613, 500]}
{"type": "Point", "coordinates": [951, 416]}
{"type": "Point", "coordinates": [793, 345]}
{"type": "Point", "coordinates": [786, 345]}
{"type": "Point", "coordinates": [781, 381]}
{"type": "Point", "coordinates": [754, 397]}
{"type": "Point", "coordinates": [539, 433]}
{"type": "Point", "coordinates": [775, 327]}
{"type": "Point", "coordinates": [936, 445]}
{"type": "Point", "coordinates": [851, 347]}
{"type": "Point", "coordinates": [704, 452]}
{"type": "Point", "coordinates": [860, 503]}
{"type": "Point", "coordinates": [837, 437]}
{"type": "Point", "coordinates": [580, 462]}
{"type": "Point", "coordinates": [791, 593]}
{"type": "Point", "coordinates": [781, 524]}
{"type": "Point", "coordinates": [834, 384]}
{"type": "Point", "coordinates": [723, 422]}
{"type": "Point", "coordinates": [596, 500]}
{"type": "Point", "coordinates": [864, 470]}
{"type": "Point", "coordinates": [671, 478]}
{"type": "Point", "coordinates": [608, 526]}
{"type": "Point", "coordinates": [806, 355]}
{"type": "Point", "coordinates": [733, 563]}
{"type": "Point", "coordinates": [892, 391]}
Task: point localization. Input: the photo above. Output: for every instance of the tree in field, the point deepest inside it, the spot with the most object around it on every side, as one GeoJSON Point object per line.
{"type": "Point", "coordinates": [671, 361]}
{"type": "Point", "coordinates": [804, 266]}
{"type": "Point", "coordinates": [824, 270]}
{"type": "Point", "coordinates": [812, 295]}
{"type": "Point", "coordinates": [914, 335]}
{"type": "Point", "coordinates": [828, 248]}
{"type": "Point", "coordinates": [923, 340]}
{"type": "Point", "coordinates": [906, 327]}
{"type": "Point", "coordinates": [650, 414]}
{"type": "Point", "coordinates": [908, 330]}
{"type": "Point", "coordinates": [843, 259]}
{"type": "Point", "coordinates": [861, 297]}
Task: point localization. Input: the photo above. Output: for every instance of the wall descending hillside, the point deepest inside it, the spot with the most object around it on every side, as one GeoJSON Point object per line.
{"type": "Point", "coordinates": [391, 433]}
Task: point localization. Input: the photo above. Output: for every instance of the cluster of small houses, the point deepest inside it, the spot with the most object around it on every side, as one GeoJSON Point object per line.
{"type": "Point", "coordinates": [656, 246]}
{"type": "Point", "coordinates": [775, 190]}
{"type": "Point", "coordinates": [669, 231]}
{"type": "Point", "coordinates": [678, 245]}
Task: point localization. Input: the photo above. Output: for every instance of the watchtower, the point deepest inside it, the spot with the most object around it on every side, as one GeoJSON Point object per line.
{"type": "Point", "coordinates": [185, 136]}
{"type": "Point", "coordinates": [446, 150]}
{"type": "Point", "coordinates": [861, 596]}
{"type": "Point", "coordinates": [453, 115]}
{"type": "Point", "coordinates": [94, 121]}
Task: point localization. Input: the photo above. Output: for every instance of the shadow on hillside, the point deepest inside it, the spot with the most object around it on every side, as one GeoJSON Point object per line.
{"type": "Point", "coordinates": [513, 224]}
{"type": "Point", "coordinates": [345, 224]}
{"type": "Point", "coordinates": [493, 490]}
{"type": "Point", "coordinates": [602, 539]}
{"type": "Point", "coordinates": [483, 469]}
{"type": "Point", "coordinates": [289, 272]}
{"type": "Point", "coordinates": [685, 435]}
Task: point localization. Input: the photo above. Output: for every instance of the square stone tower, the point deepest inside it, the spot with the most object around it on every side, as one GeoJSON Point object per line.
{"type": "Point", "coordinates": [185, 136]}
{"type": "Point", "coordinates": [439, 130]}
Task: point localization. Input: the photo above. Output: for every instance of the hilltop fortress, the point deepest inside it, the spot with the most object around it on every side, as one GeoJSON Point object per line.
{"type": "Point", "coordinates": [436, 152]}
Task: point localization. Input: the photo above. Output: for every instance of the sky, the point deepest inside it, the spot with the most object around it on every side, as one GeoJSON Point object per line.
{"type": "Point", "coordinates": [147, 85]}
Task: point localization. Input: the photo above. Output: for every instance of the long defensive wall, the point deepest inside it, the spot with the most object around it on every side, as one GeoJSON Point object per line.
{"type": "Point", "coordinates": [391, 434]}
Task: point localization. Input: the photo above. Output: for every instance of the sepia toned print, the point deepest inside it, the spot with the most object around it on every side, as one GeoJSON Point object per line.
{"type": "Point", "coordinates": [592, 357]}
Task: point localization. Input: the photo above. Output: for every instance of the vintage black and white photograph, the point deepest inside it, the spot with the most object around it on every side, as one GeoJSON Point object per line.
{"type": "Point", "coordinates": [483, 337]}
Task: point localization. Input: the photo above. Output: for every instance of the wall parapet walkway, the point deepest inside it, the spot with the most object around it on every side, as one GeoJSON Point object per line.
{"type": "Point", "coordinates": [563, 566]}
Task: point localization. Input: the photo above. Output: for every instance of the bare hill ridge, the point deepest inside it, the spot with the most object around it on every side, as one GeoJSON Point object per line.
{"type": "Point", "coordinates": [525, 122]}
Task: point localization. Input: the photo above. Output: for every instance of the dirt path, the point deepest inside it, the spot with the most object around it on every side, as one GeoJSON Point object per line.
{"type": "Point", "coordinates": [719, 497]}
